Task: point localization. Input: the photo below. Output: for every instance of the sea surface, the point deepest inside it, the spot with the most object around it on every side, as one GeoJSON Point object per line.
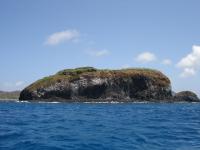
{"type": "Point", "coordinates": [96, 126]}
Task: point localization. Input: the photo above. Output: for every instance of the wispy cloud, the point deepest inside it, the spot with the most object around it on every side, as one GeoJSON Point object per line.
{"type": "Point", "coordinates": [63, 36]}
{"type": "Point", "coordinates": [19, 83]}
{"type": "Point", "coordinates": [166, 62]}
{"type": "Point", "coordinates": [14, 84]}
{"type": "Point", "coordinates": [146, 57]}
{"type": "Point", "coordinates": [190, 64]}
{"type": "Point", "coordinates": [8, 86]}
{"type": "Point", "coordinates": [125, 66]}
{"type": "Point", "coordinates": [187, 72]}
{"type": "Point", "coordinates": [98, 53]}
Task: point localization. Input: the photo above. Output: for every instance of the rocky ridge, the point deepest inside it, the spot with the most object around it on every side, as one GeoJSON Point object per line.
{"type": "Point", "coordinates": [91, 84]}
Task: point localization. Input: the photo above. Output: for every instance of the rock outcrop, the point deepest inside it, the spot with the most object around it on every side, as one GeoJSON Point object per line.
{"type": "Point", "coordinates": [186, 96]}
{"type": "Point", "coordinates": [90, 84]}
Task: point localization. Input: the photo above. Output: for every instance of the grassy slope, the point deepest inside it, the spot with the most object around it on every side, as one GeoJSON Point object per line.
{"type": "Point", "coordinates": [72, 74]}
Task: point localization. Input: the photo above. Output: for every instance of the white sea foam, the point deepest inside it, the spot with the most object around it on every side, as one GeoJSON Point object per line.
{"type": "Point", "coordinates": [22, 101]}
{"type": "Point", "coordinates": [104, 102]}
{"type": "Point", "coordinates": [54, 102]}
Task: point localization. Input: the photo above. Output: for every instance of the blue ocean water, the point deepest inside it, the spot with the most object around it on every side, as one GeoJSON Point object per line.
{"type": "Point", "coordinates": [80, 126]}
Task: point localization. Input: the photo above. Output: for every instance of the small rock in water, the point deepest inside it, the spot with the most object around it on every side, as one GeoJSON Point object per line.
{"type": "Point", "coordinates": [187, 96]}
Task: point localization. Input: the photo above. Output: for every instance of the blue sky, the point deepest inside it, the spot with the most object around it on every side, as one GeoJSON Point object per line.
{"type": "Point", "coordinates": [41, 37]}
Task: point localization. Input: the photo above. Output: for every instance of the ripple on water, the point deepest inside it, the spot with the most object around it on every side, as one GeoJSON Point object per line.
{"type": "Point", "coordinates": [99, 126]}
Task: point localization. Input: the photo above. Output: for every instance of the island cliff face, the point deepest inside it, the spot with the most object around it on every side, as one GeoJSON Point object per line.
{"type": "Point", "coordinates": [83, 84]}
{"type": "Point", "coordinates": [90, 84]}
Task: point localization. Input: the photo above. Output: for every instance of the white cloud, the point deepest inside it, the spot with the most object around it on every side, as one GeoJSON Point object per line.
{"type": "Point", "coordinates": [166, 62]}
{"type": "Point", "coordinates": [10, 86]}
{"type": "Point", "coordinates": [19, 83]}
{"type": "Point", "coordinates": [187, 72]}
{"type": "Point", "coordinates": [98, 53]}
{"type": "Point", "coordinates": [192, 60]}
{"type": "Point", "coordinates": [63, 36]}
{"type": "Point", "coordinates": [190, 63]}
{"type": "Point", "coordinates": [125, 66]}
{"type": "Point", "coordinates": [7, 84]}
{"type": "Point", "coordinates": [146, 57]}
{"type": "Point", "coordinates": [14, 84]}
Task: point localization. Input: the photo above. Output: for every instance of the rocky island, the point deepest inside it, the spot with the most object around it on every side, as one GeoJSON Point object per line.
{"type": "Point", "coordinates": [95, 85]}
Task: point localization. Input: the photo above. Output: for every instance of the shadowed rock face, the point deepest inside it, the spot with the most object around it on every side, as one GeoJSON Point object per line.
{"type": "Point", "coordinates": [187, 96]}
{"type": "Point", "coordinates": [90, 84]}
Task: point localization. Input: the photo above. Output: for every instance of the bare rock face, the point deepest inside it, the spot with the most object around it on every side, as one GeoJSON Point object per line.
{"type": "Point", "coordinates": [90, 84]}
{"type": "Point", "coordinates": [187, 96]}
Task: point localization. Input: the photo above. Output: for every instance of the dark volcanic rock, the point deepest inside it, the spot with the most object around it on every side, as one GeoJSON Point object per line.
{"type": "Point", "coordinates": [90, 84]}
{"type": "Point", "coordinates": [187, 96]}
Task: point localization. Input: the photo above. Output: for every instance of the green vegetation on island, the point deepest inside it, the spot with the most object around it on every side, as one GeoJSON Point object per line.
{"type": "Point", "coordinates": [74, 74]}
{"type": "Point", "coordinates": [88, 83]}
{"type": "Point", "coordinates": [91, 84]}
